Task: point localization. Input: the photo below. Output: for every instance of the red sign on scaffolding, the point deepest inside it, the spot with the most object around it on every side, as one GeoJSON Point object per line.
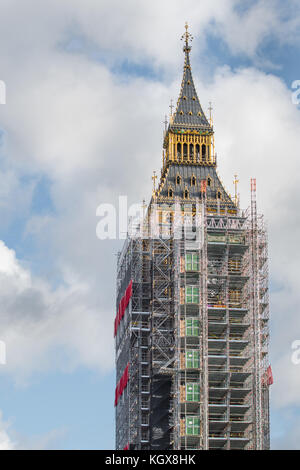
{"type": "Point", "coordinates": [270, 380]}
{"type": "Point", "coordinates": [122, 384]}
{"type": "Point", "coordinates": [122, 307]}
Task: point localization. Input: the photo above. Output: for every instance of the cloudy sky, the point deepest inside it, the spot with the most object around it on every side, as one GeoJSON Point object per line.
{"type": "Point", "coordinates": [88, 84]}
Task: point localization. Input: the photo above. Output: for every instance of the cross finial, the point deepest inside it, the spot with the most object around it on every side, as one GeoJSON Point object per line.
{"type": "Point", "coordinates": [210, 112]}
{"type": "Point", "coordinates": [235, 182]}
{"type": "Point", "coordinates": [187, 37]}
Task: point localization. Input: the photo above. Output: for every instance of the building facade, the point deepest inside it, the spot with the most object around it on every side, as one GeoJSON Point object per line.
{"type": "Point", "coordinates": [191, 329]}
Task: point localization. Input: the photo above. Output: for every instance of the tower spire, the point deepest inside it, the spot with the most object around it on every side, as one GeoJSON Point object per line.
{"type": "Point", "coordinates": [189, 137]}
{"type": "Point", "coordinates": [188, 112]}
{"type": "Point", "coordinates": [187, 38]}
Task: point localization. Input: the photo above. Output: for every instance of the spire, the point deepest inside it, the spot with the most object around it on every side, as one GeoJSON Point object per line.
{"type": "Point", "coordinates": [187, 37]}
{"type": "Point", "coordinates": [189, 112]}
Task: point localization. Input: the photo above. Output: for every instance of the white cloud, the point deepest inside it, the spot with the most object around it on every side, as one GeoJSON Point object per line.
{"type": "Point", "coordinates": [244, 32]}
{"type": "Point", "coordinates": [11, 440]}
{"type": "Point", "coordinates": [35, 320]}
{"type": "Point", "coordinates": [5, 441]}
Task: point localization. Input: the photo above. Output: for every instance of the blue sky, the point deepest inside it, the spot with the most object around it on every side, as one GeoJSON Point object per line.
{"type": "Point", "coordinates": [87, 91]}
{"type": "Point", "coordinates": [77, 406]}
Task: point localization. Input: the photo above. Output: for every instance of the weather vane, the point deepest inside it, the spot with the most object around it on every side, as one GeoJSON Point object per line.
{"type": "Point", "coordinates": [187, 37]}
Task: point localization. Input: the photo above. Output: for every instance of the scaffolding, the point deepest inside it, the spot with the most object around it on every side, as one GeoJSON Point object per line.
{"type": "Point", "coordinates": [196, 331]}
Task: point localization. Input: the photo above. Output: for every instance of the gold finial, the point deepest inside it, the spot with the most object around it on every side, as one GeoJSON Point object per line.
{"type": "Point", "coordinates": [235, 182]}
{"type": "Point", "coordinates": [187, 37]}
{"type": "Point", "coordinates": [154, 177]}
{"type": "Point", "coordinates": [210, 112]}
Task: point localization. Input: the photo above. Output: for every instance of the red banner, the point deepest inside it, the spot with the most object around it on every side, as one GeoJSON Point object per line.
{"type": "Point", "coordinates": [270, 380]}
{"type": "Point", "coordinates": [122, 306]}
{"type": "Point", "coordinates": [116, 395]}
{"type": "Point", "coordinates": [122, 384]}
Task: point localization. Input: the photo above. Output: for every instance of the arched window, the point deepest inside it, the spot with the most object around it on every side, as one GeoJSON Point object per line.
{"type": "Point", "coordinates": [178, 179]}
{"type": "Point", "coordinates": [178, 150]}
{"type": "Point", "coordinates": [208, 181]}
{"type": "Point", "coordinates": [193, 181]}
{"type": "Point", "coordinates": [186, 194]}
{"type": "Point", "coordinates": [197, 152]}
{"type": "Point", "coordinates": [170, 192]}
{"type": "Point", "coordinates": [219, 195]}
{"type": "Point", "coordinates": [203, 151]}
{"type": "Point", "coordinates": [191, 152]}
{"type": "Point", "coordinates": [185, 151]}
